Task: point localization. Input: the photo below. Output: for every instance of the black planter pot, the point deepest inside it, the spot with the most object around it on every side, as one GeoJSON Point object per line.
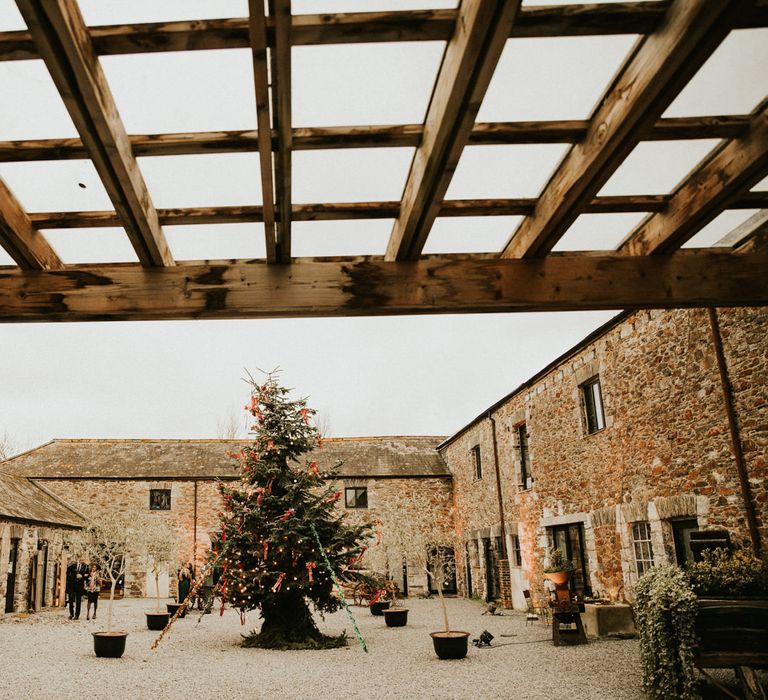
{"type": "Point", "coordinates": [173, 607]}
{"type": "Point", "coordinates": [396, 617]}
{"type": "Point", "coordinates": [450, 645]}
{"type": "Point", "coordinates": [157, 620]}
{"type": "Point", "coordinates": [379, 607]}
{"type": "Point", "coordinates": [109, 644]}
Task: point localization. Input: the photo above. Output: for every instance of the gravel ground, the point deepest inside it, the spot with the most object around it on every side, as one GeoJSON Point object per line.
{"type": "Point", "coordinates": [47, 656]}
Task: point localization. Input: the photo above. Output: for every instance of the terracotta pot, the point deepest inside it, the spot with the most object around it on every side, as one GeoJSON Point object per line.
{"type": "Point", "coordinates": [396, 617]}
{"type": "Point", "coordinates": [450, 645]}
{"type": "Point", "coordinates": [379, 607]}
{"type": "Point", "coordinates": [157, 620]}
{"type": "Point", "coordinates": [558, 577]}
{"type": "Point", "coordinates": [109, 644]}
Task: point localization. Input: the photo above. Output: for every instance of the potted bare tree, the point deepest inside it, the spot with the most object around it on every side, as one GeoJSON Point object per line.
{"type": "Point", "coordinates": [107, 542]}
{"type": "Point", "coordinates": [157, 543]}
{"type": "Point", "coordinates": [421, 540]}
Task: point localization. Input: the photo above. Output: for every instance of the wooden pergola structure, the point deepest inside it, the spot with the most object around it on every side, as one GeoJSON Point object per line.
{"type": "Point", "coordinates": [648, 269]}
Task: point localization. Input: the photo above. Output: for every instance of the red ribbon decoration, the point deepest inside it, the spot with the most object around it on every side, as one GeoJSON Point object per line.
{"type": "Point", "coordinates": [278, 583]}
{"type": "Point", "coordinates": [310, 565]}
{"type": "Point", "coordinates": [288, 513]}
{"type": "Point", "coordinates": [305, 415]}
{"type": "Point", "coordinates": [313, 468]}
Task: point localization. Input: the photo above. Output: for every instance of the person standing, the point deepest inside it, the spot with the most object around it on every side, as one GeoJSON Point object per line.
{"type": "Point", "coordinates": [92, 589]}
{"type": "Point", "coordinates": [71, 580]}
{"type": "Point", "coordinates": [185, 581]}
{"type": "Point", "coordinates": [76, 573]}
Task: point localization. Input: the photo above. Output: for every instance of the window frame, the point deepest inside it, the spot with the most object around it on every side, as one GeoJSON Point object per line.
{"type": "Point", "coordinates": [526, 475]}
{"type": "Point", "coordinates": [593, 405]}
{"type": "Point", "coordinates": [358, 493]}
{"type": "Point", "coordinates": [642, 547]}
{"type": "Point", "coordinates": [477, 462]}
{"type": "Point", "coordinates": [157, 502]}
{"type": "Point", "coordinates": [517, 556]}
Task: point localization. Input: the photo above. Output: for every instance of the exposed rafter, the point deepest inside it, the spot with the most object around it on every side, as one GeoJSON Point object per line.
{"type": "Point", "coordinates": [241, 290]}
{"type": "Point", "coordinates": [258, 34]}
{"type": "Point", "coordinates": [310, 138]}
{"type": "Point", "coordinates": [362, 27]}
{"type": "Point", "coordinates": [362, 211]}
{"type": "Point", "coordinates": [749, 236]}
{"type": "Point", "coordinates": [465, 73]}
{"type": "Point", "coordinates": [280, 11]}
{"type": "Point", "coordinates": [61, 37]}
{"type": "Point", "coordinates": [679, 36]}
{"type": "Point", "coordinates": [733, 167]}
{"type": "Point", "coordinates": [21, 240]}
{"type": "Point", "coordinates": [654, 73]}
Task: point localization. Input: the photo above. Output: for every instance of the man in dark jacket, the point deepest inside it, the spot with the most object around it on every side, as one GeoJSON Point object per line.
{"type": "Point", "coordinates": [76, 573]}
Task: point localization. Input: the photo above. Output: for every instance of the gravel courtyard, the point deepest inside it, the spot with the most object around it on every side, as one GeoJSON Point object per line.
{"type": "Point", "coordinates": [48, 656]}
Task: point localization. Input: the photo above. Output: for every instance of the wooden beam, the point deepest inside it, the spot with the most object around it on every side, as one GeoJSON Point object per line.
{"type": "Point", "coordinates": [468, 65]}
{"type": "Point", "coordinates": [258, 38]}
{"type": "Point", "coordinates": [61, 37]}
{"type": "Point", "coordinates": [732, 168]}
{"type": "Point", "coordinates": [387, 136]}
{"type": "Point", "coordinates": [749, 236]}
{"type": "Point", "coordinates": [242, 290]}
{"type": "Point", "coordinates": [338, 211]}
{"type": "Point", "coordinates": [650, 79]}
{"type": "Point", "coordinates": [363, 27]}
{"type": "Point", "coordinates": [21, 240]}
{"type": "Point", "coordinates": [280, 12]}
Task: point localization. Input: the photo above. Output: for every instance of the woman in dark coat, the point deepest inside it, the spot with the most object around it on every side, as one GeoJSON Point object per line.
{"type": "Point", "coordinates": [185, 581]}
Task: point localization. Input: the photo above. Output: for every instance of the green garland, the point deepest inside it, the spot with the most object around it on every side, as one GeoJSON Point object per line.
{"type": "Point", "coordinates": [338, 586]}
{"type": "Point", "coordinates": [665, 614]}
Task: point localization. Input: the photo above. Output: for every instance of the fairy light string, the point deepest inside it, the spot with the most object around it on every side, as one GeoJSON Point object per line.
{"type": "Point", "coordinates": [192, 592]}
{"type": "Point", "coordinates": [338, 587]}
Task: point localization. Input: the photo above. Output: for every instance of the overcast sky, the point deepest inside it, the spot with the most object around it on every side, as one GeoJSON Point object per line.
{"type": "Point", "coordinates": [402, 375]}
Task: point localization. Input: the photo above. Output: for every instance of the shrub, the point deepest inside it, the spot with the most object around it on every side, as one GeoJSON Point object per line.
{"type": "Point", "coordinates": [665, 614]}
{"type": "Point", "coordinates": [720, 573]}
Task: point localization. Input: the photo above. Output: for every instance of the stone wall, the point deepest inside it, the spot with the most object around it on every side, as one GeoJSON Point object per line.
{"type": "Point", "coordinates": [50, 589]}
{"type": "Point", "coordinates": [100, 498]}
{"type": "Point", "coordinates": [665, 436]}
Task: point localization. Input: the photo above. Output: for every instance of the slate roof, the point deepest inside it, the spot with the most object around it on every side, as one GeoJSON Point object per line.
{"type": "Point", "coordinates": [165, 459]}
{"type": "Point", "coordinates": [23, 499]}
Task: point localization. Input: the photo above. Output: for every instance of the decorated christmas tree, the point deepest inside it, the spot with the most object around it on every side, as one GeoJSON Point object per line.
{"type": "Point", "coordinates": [281, 535]}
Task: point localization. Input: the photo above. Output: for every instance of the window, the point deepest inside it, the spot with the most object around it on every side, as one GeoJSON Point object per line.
{"type": "Point", "coordinates": [681, 533]}
{"type": "Point", "coordinates": [356, 497]}
{"type": "Point", "coordinates": [159, 499]}
{"type": "Point", "coordinates": [477, 461]}
{"type": "Point", "coordinates": [526, 478]}
{"type": "Point", "coordinates": [641, 538]}
{"type": "Point", "coordinates": [501, 550]}
{"type": "Point", "coordinates": [593, 405]}
{"type": "Point", "coordinates": [517, 559]}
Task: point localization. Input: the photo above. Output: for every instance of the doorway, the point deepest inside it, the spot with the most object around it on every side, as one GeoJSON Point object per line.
{"type": "Point", "coordinates": [570, 540]}
{"type": "Point", "coordinates": [447, 555]}
{"type": "Point", "coordinates": [10, 589]}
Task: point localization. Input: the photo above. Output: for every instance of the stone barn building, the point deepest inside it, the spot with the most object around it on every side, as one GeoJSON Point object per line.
{"type": "Point", "coordinates": [34, 525]}
{"type": "Point", "coordinates": [650, 433]}
{"type": "Point", "coordinates": [176, 480]}
{"type": "Point", "coordinates": [616, 452]}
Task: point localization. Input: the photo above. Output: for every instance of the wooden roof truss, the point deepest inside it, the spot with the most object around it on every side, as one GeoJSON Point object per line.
{"type": "Point", "coordinates": [648, 269]}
